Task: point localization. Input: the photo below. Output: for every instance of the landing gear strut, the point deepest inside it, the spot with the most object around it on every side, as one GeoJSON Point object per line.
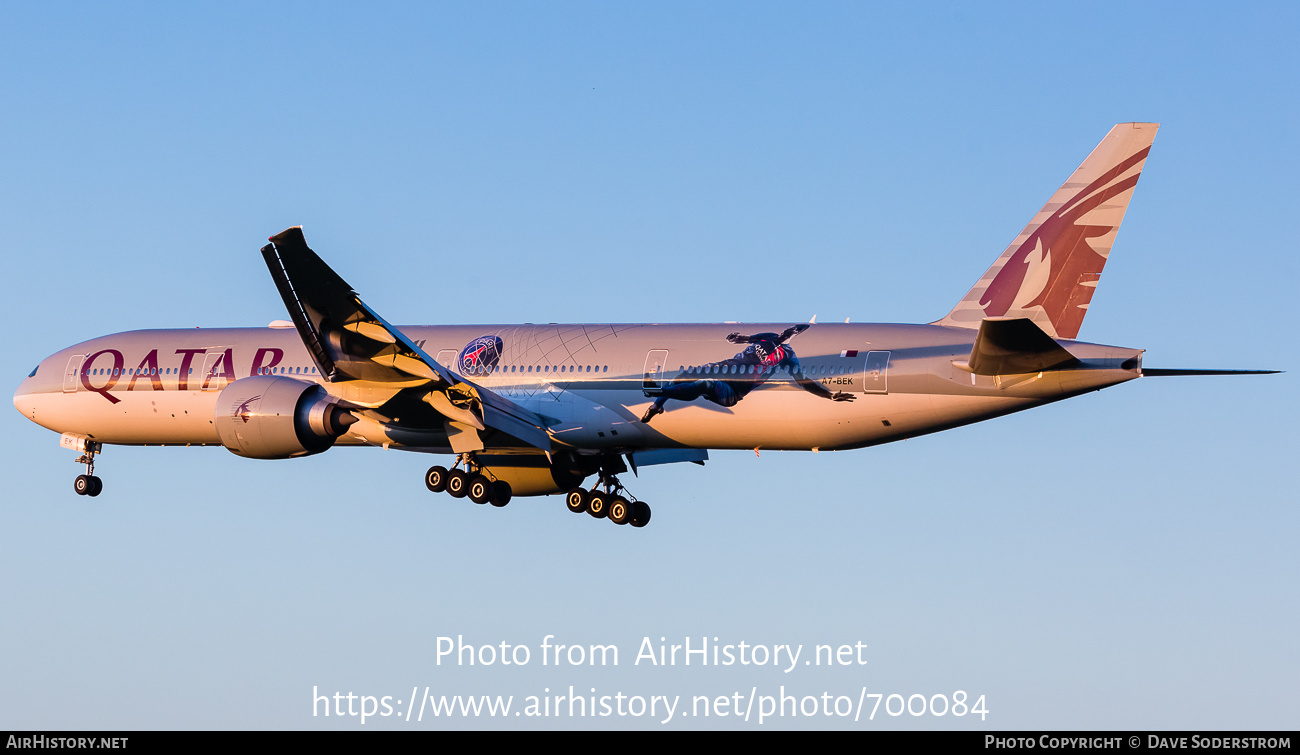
{"type": "Point", "coordinates": [473, 481]}
{"type": "Point", "coordinates": [606, 500]}
{"type": "Point", "coordinates": [88, 483]}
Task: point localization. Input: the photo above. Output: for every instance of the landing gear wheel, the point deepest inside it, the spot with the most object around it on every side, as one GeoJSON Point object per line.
{"type": "Point", "coordinates": [83, 484]}
{"type": "Point", "coordinates": [457, 483]}
{"type": "Point", "coordinates": [577, 500]}
{"type": "Point", "coordinates": [97, 486]}
{"type": "Point", "coordinates": [480, 489]}
{"type": "Point", "coordinates": [436, 479]}
{"type": "Point", "coordinates": [620, 511]}
{"type": "Point", "coordinates": [501, 493]}
{"type": "Point", "coordinates": [640, 514]}
{"type": "Point", "coordinates": [598, 504]}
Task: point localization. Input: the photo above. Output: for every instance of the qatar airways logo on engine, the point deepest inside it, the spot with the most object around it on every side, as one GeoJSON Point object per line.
{"type": "Point", "coordinates": [244, 411]}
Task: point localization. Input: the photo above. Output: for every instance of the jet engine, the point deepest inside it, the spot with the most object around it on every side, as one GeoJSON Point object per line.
{"type": "Point", "coordinates": [271, 417]}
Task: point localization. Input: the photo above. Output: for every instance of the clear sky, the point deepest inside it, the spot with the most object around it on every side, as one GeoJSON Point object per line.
{"type": "Point", "coordinates": [1125, 559]}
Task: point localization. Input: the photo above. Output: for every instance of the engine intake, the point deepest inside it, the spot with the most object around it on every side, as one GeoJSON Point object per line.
{"type": "Point", "coordinates": [271, 417]}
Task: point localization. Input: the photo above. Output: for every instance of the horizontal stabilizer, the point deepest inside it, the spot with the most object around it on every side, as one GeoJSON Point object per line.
{"type": "Point", "coordinates": [1014, 346]}
{"type": "Point", "coordinates": [1153, 372]}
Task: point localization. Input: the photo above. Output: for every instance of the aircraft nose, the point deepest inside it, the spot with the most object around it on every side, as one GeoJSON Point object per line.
{"type": "Point", "coordinates": [22, 402]}
{"type": "Point", "coordinates": [23, 399]}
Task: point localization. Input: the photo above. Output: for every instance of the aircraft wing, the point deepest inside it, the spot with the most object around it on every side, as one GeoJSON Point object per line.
{"type": "Point", "coordinates": [350, 341]}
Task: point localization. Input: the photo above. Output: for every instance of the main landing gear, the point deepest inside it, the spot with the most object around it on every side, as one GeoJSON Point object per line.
{"type": "Point", "coordinates": [606, 501]}
{"type": "Point", "coordinates": [473, 481]}
{"type": "Point", "coordinates": [88, 483]}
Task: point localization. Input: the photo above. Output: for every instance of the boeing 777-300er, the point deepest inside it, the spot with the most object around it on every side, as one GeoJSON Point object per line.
{"type": "Point", "coordinates": [540, 409]}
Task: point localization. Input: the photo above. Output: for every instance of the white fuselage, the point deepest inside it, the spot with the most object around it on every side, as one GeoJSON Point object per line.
{"type": "Point", "coordinates": [161, 386]}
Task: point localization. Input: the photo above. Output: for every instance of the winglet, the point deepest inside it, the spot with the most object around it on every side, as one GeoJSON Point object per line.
{"type": "Point", "coordinates": [288, 249]}
{"type": "Point", "coordinates": [1050, 271]}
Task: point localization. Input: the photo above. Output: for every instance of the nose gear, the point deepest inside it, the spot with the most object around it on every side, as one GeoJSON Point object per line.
{"type": "Point", "coordinates": [86, 484]}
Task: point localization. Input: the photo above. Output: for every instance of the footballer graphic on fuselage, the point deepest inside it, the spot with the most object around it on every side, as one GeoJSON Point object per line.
{"type": "Point", "coordinates": [727, 382]}
{"type": "Point", "coordinates": [535, 410]}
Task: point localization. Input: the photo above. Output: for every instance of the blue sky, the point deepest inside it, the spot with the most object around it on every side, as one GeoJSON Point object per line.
{"type": "Point", "coordinates": [1122, 560]}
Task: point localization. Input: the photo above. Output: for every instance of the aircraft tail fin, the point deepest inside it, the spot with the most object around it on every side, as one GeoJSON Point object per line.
{"type": "Point", "coordinates": [1049, 272]}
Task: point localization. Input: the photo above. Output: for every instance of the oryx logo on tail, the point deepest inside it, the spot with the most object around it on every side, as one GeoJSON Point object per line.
{"type": "Point", "coordinates": [1049, 273]}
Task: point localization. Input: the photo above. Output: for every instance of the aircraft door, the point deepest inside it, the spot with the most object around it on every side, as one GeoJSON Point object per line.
{"type": "Point", "coordinates": [656, 368]}
{"type": "Point", "coordinates": [447, 358]}
{"type": "Point", "coordinates": [72, 375]}
{"type": "Point", "coordinates": [876, 377]}
{"type": "Point", "coordinates": [218, 370]}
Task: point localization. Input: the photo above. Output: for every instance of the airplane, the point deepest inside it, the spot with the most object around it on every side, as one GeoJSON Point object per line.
{"type": "Point", "coordinates": [533, 410]}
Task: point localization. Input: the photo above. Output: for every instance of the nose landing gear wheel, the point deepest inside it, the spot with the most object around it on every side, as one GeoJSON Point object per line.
{"type": "Point", "coordinates": [89, 485]}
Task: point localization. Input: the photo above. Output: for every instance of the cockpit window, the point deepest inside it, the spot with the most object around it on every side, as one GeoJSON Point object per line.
{"type": "Point", "coordinates": [33, 372]}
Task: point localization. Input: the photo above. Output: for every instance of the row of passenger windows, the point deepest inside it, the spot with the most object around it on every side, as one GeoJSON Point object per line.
{"type": "Point", "coordinates": [176, 371]}
{"type": "Point", "coordinates": [149, 371]}
{"type": "Point", "coordinates": [545, 368]}
{"type": "Point", "coordinates": [706, 369]}
{"type": "Point", "coordinates": [752, 369]}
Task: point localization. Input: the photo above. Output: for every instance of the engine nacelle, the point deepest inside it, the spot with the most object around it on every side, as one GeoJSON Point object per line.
{"type": "Point", "coordinates": [533, 475]}
{"type": "Point", "coordinates": [272, 417]}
